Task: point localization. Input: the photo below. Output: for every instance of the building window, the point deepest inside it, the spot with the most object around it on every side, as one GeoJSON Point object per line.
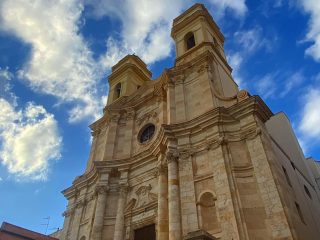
{"type": "Point", "coordinates": [299, 212]}
{"type": "Point", "coordinates": [307, 191]}
{"type": "Point", "coordinates": [146, 133]}
{"type": "Point", "coordinates": [287, 176]}
{"type": "Point", "coordinates": [190, 41]}
{"type": "Point", "coordinates": [118, 90]}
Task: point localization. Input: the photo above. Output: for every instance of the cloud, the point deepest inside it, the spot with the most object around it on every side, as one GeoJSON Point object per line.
{"type": "Point", "coordinates": [5, 89]}
{"type": "Point", "coordinates": [312, 7]}
{"type": "Point", "coordinates": [266, 86]}
{"type": "Point", "coordinates": [278, 84]}
{"type": "Point", "coordinates": [60, 62]}
{"type": "Point", "coordinates": [252, 40]}
{"type": "Point", "coordinates": [235, 60]}
{"type": "Point", "coordinates": [146, 25]}
{"type": "Point", "coordinates": [309, 125]}
{"type": "Point", "coordinates": [237, 6]}
{"type": "Point", "coordinates": [292, 81]}
{"type": "Point", "coordinates": [249, 41]}
{"type": "Point", "coordinates": [29, 141]}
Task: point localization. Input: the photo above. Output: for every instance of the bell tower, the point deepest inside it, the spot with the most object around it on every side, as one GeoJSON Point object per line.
{"type": "Point", "coordinates": [195, 30]}
{"type": "Point", "coordinates": [127, 76]}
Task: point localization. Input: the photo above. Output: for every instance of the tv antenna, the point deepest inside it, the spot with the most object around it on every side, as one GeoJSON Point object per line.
{"type": "Point", "coordinates": [46, 224]}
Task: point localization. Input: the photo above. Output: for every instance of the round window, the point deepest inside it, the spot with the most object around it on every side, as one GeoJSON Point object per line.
{"type": "Point", "coordinates": [146, 133]}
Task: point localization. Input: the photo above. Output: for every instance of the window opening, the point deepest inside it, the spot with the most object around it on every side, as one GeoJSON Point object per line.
{"type": "Point", "coordinates": [118, 90]}
{"type": "Point", "coordinates": [190, 41]}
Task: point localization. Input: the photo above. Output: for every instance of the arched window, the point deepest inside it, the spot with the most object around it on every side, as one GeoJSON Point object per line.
{"type": "Point", "coordinates": [118, 90]}
{"type": "Point", "coordinates": [83, 238]}
{"type": "Point", "coordinates": [208, 212]}
{"type": "Point", "coordinates": [189, 40]}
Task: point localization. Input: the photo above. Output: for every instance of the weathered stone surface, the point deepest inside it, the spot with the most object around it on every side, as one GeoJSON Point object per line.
{"type": "Point", "coordinates": [216, 165]}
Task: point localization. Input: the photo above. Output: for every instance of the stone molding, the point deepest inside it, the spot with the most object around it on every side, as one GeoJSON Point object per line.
{"type": "Point", "coordinates": [101, 189]}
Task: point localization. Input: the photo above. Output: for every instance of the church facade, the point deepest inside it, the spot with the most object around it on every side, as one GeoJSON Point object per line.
{"type": "Point", "coordinates": [190, 156]}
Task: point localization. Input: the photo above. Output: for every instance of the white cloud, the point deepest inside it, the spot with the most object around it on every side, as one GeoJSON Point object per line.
{"type": "Point", "coordinates": [293, 81]}
{"type": "Point", "coordinates": [237, 6]}
{"type": "Point", "coordinates": [266, 86]}
{"type": "Point", "coordinates": [29, 141]}
{"type": "Point", "coordinates": [5, 85]}
{"type": "Point", "coordinates": [146, 25]}
{"type": "Point", "coordinates": [235, 60]}
{"type": "Point", "coordinates": [60, 63]}
{"type": "Point", "coordinates": [278, 84]}
{"type": "Point", "coordinates": [312, 7]}
{"type": "Point", "coordinates": [309, 124]}
{"type": "Point", "coordinates": [252, 40]}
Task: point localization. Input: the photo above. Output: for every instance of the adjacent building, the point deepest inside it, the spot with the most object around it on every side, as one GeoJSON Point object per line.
{"type": "Point", "coordinates": [190, 156]}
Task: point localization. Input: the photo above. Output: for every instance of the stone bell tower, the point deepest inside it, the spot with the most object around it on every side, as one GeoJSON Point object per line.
{"type": "Point", "coordinates": [189, 156]}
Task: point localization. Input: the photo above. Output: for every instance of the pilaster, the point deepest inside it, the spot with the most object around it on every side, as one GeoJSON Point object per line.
{"type": "Point", "coordinates": [175, 229]}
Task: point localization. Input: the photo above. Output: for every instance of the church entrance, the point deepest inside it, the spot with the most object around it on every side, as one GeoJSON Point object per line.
{"type": "Point", "coordinates": [145, 233]}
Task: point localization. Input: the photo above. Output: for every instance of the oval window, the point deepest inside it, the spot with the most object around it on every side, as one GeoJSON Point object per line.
{"type": "Point", "coordinates": [146, 133]}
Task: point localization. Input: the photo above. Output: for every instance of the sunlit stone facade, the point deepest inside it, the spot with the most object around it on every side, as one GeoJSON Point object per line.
{"type": "Point", "coordinates": [189, 156]}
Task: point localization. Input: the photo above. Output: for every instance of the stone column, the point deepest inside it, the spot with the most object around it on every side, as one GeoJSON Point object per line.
{"type": "Point", "coordinates": [163, 228]}
{"type": "Point", "coordinates": [76, 220]}
{"type": "Point", "coordinates": [67, 223]}
{"type": "Point", "coordinates": [97, 227]}
{"type": "Point", "coordinates": [174, 196]}
{"type": "Point", "coordinates": [119, 225]}
{"type": "Point", "coordinates": [189, 215]}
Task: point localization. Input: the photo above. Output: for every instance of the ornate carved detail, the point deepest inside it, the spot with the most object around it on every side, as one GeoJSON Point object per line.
{"type": "Point", "coordinates": [114, 117]}
{"type": "Point", "coordinates": [81, 203]}
{"type": "Point", "coordinates": [203, 68]}
{"type": "Point", "coordinates": [242, 95]}
{"type": "Point", "coordinates": [68, 212]}
{"type": "Point", "coordinates": [130, 114]}
{"type": "Point", "coordinates": [101, 189]}
{"type": "Point", "coordinates": [216, 142]}
{"type": "Point", "coordinates": [185, 153]}
{"type": "Point", "coordinates": [172, 155]}
{"type": "Point", "coordinates": [146, 117]}
{"type": "Point", "coordinates": [178, 79]}
{"type": "Point", "coordinates": [145, 196]}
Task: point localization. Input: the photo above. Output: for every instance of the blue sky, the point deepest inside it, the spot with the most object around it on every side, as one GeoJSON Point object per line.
{"type": "Point", "coordinates": [55, 57]}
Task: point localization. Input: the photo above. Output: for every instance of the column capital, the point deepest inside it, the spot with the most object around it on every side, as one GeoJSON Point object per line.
{"type": "Point", "coordinates": [101, 189]}
{"type": "Point", "coordinates": [172, 155]}
{"type": "Point", "coordinates": [68, 212]}
{"type": "Point", "coordinates": [161, 168]}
